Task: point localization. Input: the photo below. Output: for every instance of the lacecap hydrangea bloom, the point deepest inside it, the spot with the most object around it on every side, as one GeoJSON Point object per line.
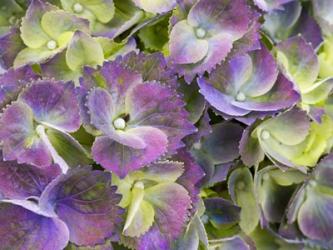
{"type": "Point", "coordinates": [166, 124]}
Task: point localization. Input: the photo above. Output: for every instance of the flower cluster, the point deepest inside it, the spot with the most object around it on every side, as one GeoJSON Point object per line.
{"type": "Point", "coordinates": [166, 124]}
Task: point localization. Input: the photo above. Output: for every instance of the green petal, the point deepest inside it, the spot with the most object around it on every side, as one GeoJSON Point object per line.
{"type": "Point", "coordinates": [32, 32]}
{"type": "Point", "coordinates": [83, 50]}
{"type": "Point", "coordinates": [55, 23]}
{"type": "Point", "coordinates": [241, 188]}
{"type": "Point", "coordinates": [103, 9]}
{"type": "Point", "coordinates": [31, 56]}
{"type": "Point", "coordinates": [143, 220]}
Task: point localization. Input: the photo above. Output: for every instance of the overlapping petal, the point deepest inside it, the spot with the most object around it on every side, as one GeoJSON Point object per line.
{"type": "Point", "coordinates": [207, 36]}
{"type": "Point", "coordinates": [241, 85]}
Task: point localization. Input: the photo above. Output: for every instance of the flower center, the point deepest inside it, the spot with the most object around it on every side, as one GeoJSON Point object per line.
{"type": "Point", "coordinates": [265, 135]}
{"type": "Point", "coordinates": [200, 33]}
{"type": "Point", "coordinates": [240, 97]}
{"type": "Point", "coordinates": [51, 45]}
{"type": "Point", "coordinates": [119, 123]}
{"type": "Point", "coordinates": [78, 8]}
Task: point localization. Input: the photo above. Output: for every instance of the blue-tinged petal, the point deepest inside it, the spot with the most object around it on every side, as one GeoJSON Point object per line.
{"type": "Point", "coordinates": [23, 229]}
{"type": "Point", "coordinates": [85, 200]}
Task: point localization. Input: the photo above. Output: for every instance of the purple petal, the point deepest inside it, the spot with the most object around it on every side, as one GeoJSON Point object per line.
{"type": "Point", "coordinates": [100, 106]}
{"type": "Point", "coordinates": [123, 159]}
{"type": "Point", "coordinates": [152, 104]}
{"type": "Point", "coordinates": [23, 229]}
{"type": "Point", "coordinates": [314, 218]}
{"type": "Point", "coordinates": [219, 100]}
{"type": "Point", "coordinates": [119, 79]}
{"type": "Point", "coordinates": [153, 239]}
{"type": "Point", "coordinates": [264, 73]}
{"type": "Point", "coordinates": [20, 181]}
{"type": "Point", "coordinates": [85, 200]}
{"type": "Point", "coordinates": [230, 134]}
{"type": "Point", "coordinates": [193, 173]}
{"type": "Point", "coordinates": [250, 150]}
{"type": "Point", "coordinates": [20, 141]}
{"type": "Point", "coordinates": [53, 103]}
{"type": "Point", "coordinates": [12, 82]}
{"type": "Point", "coordinates": [10, 45]}
{"type": "Point", "coordinates": [324, 171]}
{"type": "Point", "coordinates": [221, 211]}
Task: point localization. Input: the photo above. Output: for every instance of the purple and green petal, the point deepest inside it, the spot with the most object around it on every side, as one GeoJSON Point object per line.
{"type": "Point", "coordinates": [85, 200]}
{"type": "Point", "coordinates": [53, 103]}
{"type": "Point", "coordinates": [20, 140]}
{"type": "Point", "coordinates": [185, 47]}
{"type": "Point", "coordinates": [23, 229]}
{"type": "Point", "coordinates": [299, 61]}
{"type": "Point", "coordinates": [171, 203]}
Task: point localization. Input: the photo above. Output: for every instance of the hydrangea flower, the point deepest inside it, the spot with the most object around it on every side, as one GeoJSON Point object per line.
{"type": "Point", "coordinates": [158, 199]}
{"type": "Point", "coordinates": [80, 207]}
{"type": "Point", "coordinates": [44, 105]}
{"type": "Point", "coordinates": [248, 84]}
{"type": "Point", "coordinates": [137, 121]}
{"type": "Point", "coordinates": [288, 140]}
{"type": "Point", "coordinates": [205, 38]}
{"type": "Point", "coordinates": [46, 31]}
{"type": "Point", "coordinates": [290, 20]}
{"type": "Point", "coordinates": [97, 12]}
